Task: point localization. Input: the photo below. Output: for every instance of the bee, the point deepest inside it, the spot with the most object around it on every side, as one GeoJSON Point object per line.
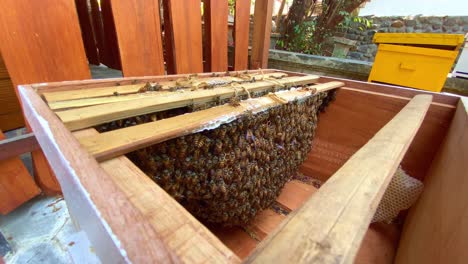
{"type": "Point", "coordinates": [234, 101]}
{"type": "Point", "coordinates": [218, 146]}
{"type": "Point", "coordinates": [222, 161]}
{"type": "Point", "coordinates": [196, 154]}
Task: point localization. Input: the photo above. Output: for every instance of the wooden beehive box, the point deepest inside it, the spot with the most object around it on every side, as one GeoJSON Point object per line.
{"type": "Point", "coordinates": [361, 139]}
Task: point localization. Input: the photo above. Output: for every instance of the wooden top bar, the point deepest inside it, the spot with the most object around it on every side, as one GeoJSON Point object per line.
{"type": "Point", "coordinates": [330, 226]}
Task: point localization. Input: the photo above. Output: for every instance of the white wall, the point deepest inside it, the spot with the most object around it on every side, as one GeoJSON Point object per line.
{"type": "Point", "coordinates": [416, 7]}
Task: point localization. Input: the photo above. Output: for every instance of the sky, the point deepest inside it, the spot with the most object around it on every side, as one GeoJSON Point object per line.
{"type": "Point", "coordinates": [416, 7]}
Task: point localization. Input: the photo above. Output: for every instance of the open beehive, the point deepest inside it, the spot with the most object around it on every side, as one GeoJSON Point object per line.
{"type": "Point", "coordinates": [360, 141]}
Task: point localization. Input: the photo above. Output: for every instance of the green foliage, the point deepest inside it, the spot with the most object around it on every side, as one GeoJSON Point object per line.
{"type": "Point", "coordinates": [350, 21]}
{"type": "Point", "coordinates": [303, 40]}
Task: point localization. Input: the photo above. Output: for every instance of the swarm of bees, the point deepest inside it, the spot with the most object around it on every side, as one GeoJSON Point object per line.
{"type": "Point", "coordinates": [228, 174]}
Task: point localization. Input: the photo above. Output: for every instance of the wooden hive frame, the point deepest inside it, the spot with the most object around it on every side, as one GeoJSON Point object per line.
{"type": "Point", "coordinates": [130, 218]}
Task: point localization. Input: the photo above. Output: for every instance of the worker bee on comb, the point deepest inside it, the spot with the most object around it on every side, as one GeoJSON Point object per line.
{"type": "Point", "coordinates": [228, 174]}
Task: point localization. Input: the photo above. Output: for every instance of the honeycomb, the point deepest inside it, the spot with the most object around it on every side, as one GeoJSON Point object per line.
{"type": "Point", "coordinates": [228, 174]}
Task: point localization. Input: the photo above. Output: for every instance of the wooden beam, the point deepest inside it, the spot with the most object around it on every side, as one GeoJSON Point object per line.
{"type": "Point", "coordinates": [118, 142]}
{"type": "Point", "coordinates": [241, 34]}
{"type": "Point", "coordinates": [16, 184]}
{"type": "Point", "coordinates": [138, 28]}
{"type": "Point", "coordinates": [89, 116]}
{"type": "Point", "coordinates": [118, 231]}
{"type": "Point", "coordinates": [330, 226]}
{"type": "Point", "coordinates": [186, 32]}
{"type": "Point", "coordinates": [436, 228]}
{"type": "Point", "coordinates": [30, 29]}
{"type": "Point", "coordinates": [261, 34]}
{"type": "Point", "coordinates": [216, 33]}
{"type": "Point", "coordinates": [165, 215]}
{"type": "Point", "coordinates": [16, 146]}
{"type": "Point", "coordinates": [119, 90]}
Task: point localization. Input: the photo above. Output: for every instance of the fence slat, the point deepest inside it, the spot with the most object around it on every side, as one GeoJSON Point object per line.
{"type": "Point", "coordinates": [138, 28]}
{"type": "Point", "coordinates": [216, 32]}
{"type": "Point", "coordinates": [241, 35]}
{"type": "Point", "coordinates": [185, 17]}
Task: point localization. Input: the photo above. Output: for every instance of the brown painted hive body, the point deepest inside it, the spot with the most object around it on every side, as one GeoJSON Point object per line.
{"type": "Point", "coordinates": [228, 174]}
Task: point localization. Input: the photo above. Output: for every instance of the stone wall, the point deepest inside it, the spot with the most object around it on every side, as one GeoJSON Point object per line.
{"type": "Point", "coordinates": [365, 50]}
{"type": "Point", "coordinates": [342, 68]}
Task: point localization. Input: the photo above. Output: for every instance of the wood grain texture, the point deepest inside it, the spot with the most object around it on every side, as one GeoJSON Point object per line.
{"type": "Point", "coordinates": [118, 230]}
{"type": "Point", "coordinates": [294, 194]}
{"type": "Point", "coordinates": [119, 91]}
{"type": "Point", "coordinates": [16, 184]}
{"type": "Point", "coordinates": [41, 42]}
{"type": "Point", "coordinates": [138, 28]}
{"type": "Point", "coordinates": [241, 35]}
{"type": "Point", "coordinates": [379, 244]}
{"type": "Point", "coordinates": [11, 116]}
{"type": "Point", "coordinates": [345, 127]}
{"type": "Point", "coordinates": [16, 146]}
{"type": "Point", "coordinates": [93, 115]}
{"type": "Point", "coordinates": [37, 41]}
{"type": "Point", "coordinates": [436, 228]}
{"type": "Point", "coordinates": [118, 142]}
{"type": "Point", "coordinates": [265, 222]}
{"type": "Point", "coordinates": [330, 226]}
{"type": "Point", "coordinates": [99, 83]}
{"type": "Point", "coordinates": [185, 16]}
{"type": "Point", "coordinates": [235, 238]}
{"type": "Point", "coordinates": [3, 69]}
{"type": "Point", "coordinates": [87, 33]}
{"type": "Point", "coordinates": [261, 34]}
{"type": "Point", "coordinates": [178, 229]}
{"type": "Point", "coordinates": [216, 34]}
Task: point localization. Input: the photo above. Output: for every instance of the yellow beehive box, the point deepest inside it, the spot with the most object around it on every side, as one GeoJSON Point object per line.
{"type": "Point", "coordinates": [416, 60]}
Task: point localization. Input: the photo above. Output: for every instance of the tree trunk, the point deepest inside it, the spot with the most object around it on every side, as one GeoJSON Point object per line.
{"type": "Point", "coordinates": [296, 15]}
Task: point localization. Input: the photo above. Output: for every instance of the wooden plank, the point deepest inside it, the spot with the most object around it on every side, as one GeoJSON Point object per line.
{"type": "Point", "coordinates": [118, 142]}
{"type": "Point", "coordinates": [448, 99]}
{"type": "Point", "coordinates": [92, 92]}
{"type": "Point", "coordinates": [165, 215]}
{"type": "Point", "coordinates": [330, 226]}
{"type": "Point", "coordinates": [98, 114]}
{"type": "Point", "coordinates": [379, 244]}
{"type": "Point", "coordinates": [236, 239]}
{"type": "Point", "coordinates": [99, 83]}
{"type": "Point", "coordinates": [87, 34]}
{"type": "Point", "coordinates": [138, 27]}
{"type": "Point", "coordinates": [436, 228]}
{"type": "Point", "coordinates": [185, 16]}
{"type": "Point", "coordinates": [295, 194]}
{"type": "Point", "coordinates": [216, 34]}
{"type": "Point", "coordinates": [54, 96]}
{"type": "Point", "coordinates": [261, 34]}
{"type": "Point", "coordinates": [345, 127]}
{"type": "Point", "coordinates": [241, 34]}
{"type": "Point", "coordinates": [118, 230]}
{"type": "Point", "coordinates": [265, 223]}
{"type": "Point", "coordinates": [10, 109]}
{"type": "Point", "coordinates": [3, 69]}
{"type": "Point", "coordinates": [16, 184]}
{"type": "Point", "coordinates": [16, 146]}
{"type": "Point", "coordinates": [28, 31]}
